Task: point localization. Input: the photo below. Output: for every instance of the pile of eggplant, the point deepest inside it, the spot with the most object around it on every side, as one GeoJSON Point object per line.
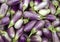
{"type": "Point", "coordinates": [29, 20]}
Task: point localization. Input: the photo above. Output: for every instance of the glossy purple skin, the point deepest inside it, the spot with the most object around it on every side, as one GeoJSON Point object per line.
{"type": "Point", "coordinates": [35, 38]}
{"type": "Point", "coordinates": [12, 2]}
{"type": "Point", "coordinates": [50, 17]}
{"type": "Point", "coordinates": [55, 37]}
{"type": "Point", "coordinates": [20, 6]}
{"type": "Point", "coordinates": [11, 32]}
{"type": "Point", "coordinates": [22, 39]}
{"type": "Point", "coordinates": [47, 33]}
{"type": "Point", "coordinates": [29, 26]}
{"type": "Point", "coordinates": [31, 15]}
{"type": "Point", "coordinates": [56, 23]}
{"type": "Point", "coordinates": [5, 20]}
{"type": "Point", "coordinates": [1, 39]}
{"type": "Point", "coordinates": [17, 16]}
{"type": "Point", "coordinates": [47, 23]}
{"type": "Point", "coordinates": [39, 24]}
{"type": "Point", "coordinates": [20, 32]}
{"type": "Point", "coordinates": [44, 40]}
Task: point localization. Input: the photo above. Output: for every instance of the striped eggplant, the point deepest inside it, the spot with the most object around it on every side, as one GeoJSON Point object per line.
{"type": "Point", "coordinates": [18, 24]}
{"type": "Point", "coordinates": [1, 39]}
{"type": "Point", "coordinates": [5, 20]}
{"type": "Point", "coordinates": [11, 32]}
{"type": "Point", "coordinates": [18, 34]}
{"type": "Point", "coordinates": [12, 2]}
{"type": "Point", "coordinates": [29, 26]}
{"type": "Point", "coordinates": [33, 16]}
{"type": "Point", "coordinates": [37, 27]}
{"type": "Point", "coordinates": [16, 17]}
{"type": "Point", "coordinates": [5, 36]}
{"type": "Point", "coordinates": [3, 10]}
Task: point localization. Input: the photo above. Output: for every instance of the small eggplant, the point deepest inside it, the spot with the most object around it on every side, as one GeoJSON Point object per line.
{"type": "Point", "coordinates": [36, 38]}
{"type": "Point", "coordinates": [31, 15]}
{"type": "Point", "coordinates": [18, 34]}
{"type": "Point", "coordinates": [52, 8]}
{"type": "Point", "coordinates": [51, 17]}
{"type": "Point", "coordinates": [29, 26]}
{"type": "Point", "coordinates": [3, 10]}
{"type": "Point", "coordinates": [5, 20]}
{"type": "Point", "coordinates": [18, 24]}
{"type": "Point", "coordinates": [15, 18]}
{"type": "Point", "coordinates": [12, 2]}
{"type": "Point", "coordinates": [11, 32]}
{"type": "Point", "coordinates": [56, 22]}
{"type": "Point", "coordinates": [1, 39]}
{"type": "Point", "coordinates": [5, 36]}
{"type": "Point", "coordinates": [40, 6]}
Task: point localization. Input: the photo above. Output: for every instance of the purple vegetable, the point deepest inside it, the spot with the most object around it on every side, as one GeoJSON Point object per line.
{"type": "Point", "coordinates": [52, 8]}
{"type": "Point", "coordinates": [3, 10]}
{"type": "Point", "coordinates": [47, 23]}
{"type": "Point", "coordinates": [25, 4]}
{"type": "Point", "coordinates": [12, 2]}
{"type": "Point", "coordinates": [29, 26]}
{"type": "Point", "coordinates": [22, 39]}
{"type": "Point", "coordinates": [45, 40]}
{"type": "Point", "coordinates": [36, 38]}
{"type": "Point", "coordinates": [18, 24]}
{"type": "Point", "coordinates": [56, 22]}
{"type": "Point", "coordinates": [11, 32]}
{"type": "Point", "coordinates": [47, 33]}
{"type": "Point", "coordinates": [38, 26]}
{"type": "Point", "coordinates": [5, 36]}
{"type": "Point", "coordinates": [15, 18]}
{"type": "Point", "coordinates": [51, 17]}
{"type": "Point", "coordinates": [5, 20]}
{"type": "Point", "coordinates": [18, 34]}
{"type": "Point", "coordinates": [1, 39]}
{"type": "Point", "coordinates": [55, 37]}
{"type": "Point", "coordinates": [40, 6]}
{"type": "Point", "coordinates": [31, 15]}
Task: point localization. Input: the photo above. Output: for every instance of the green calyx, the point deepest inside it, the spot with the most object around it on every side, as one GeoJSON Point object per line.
{"type": "Point", "coordinates": [26, 21]}
{"type": "Point", "coordinates": [33, 31]}
{"type": "Point", "coordinates": [52, 29]}
{"type": "Point", "coordinates": [11, 24]}
{"type": "Point", "coordinates": [1, 16]}
{"type": "Point", "coordinates": [55, 3]}
{"type": "Point", "coordinates": [28, 39]}
{"type": "Point", "coordinates": [58, 29]}
{"type": "Point", "coordinates": [58, 11]}
{"type": "Point", "coordinates": [44, 12]}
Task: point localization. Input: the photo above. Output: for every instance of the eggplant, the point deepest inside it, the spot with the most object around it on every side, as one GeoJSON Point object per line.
{"type": "Point", "coordinates": [47, 24]}
{"type": "Point", "coordinates": [46, 32]}
{"type": "Point", "coordinates": [11, 32]}
{"type": "Point", "coordinates": [29, 26]}
{"type": "Point", "coordinates": [18, 34]}
{"type": "Point", "coordinates": [52, 8]}
{"type": "Point", "coordinates": [16, 17]}
{"type": "Point", "coordinates": [25, 4]}
{"type": "Point", "coordinates": [5, 36]}
{"type": "Point", "coordinates": [40, 6]}
{"type": "Point", "coordinates": [22, 38]}
{"type": "Point", "coordinates": [18, 24]}
{"type": "Point", "coordinates": [45, 40]}
{"type": "Point", "coordinates": [36, 38]}
{"type": "Point", "coordinates": [56, 23]}
{"type": "Point", "coordinates": [37, 27]}
{"type": "Point", "coordinates": [51, 17]}
{"type": "Point", "coordinates": [12, 2]}
{"type": "Point", "coordinates": [1, 39]}
{"type": "Point", "coordinates": [32, 16]}
{"type": "Point", "coordinates": [3, 10]}
{"type": "Point", "coordinates": [5, 20]}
